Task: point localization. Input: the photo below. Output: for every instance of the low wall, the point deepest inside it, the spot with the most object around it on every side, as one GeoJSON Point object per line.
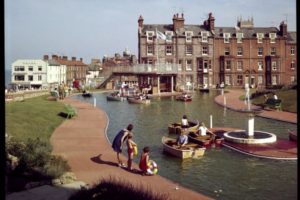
{"type": "Point", "coordinates": [20, 96]}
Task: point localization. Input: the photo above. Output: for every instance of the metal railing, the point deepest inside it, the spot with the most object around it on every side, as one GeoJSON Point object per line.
{"type": "Point", "coordinates": [148, 68]}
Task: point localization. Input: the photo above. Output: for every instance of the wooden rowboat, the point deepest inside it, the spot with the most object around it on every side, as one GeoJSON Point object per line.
{"type": "Point", "coordinates": [204, 90]}
{"type": "Point", "coordinates": [205, 140]}
{"type": "Point", "coordinates": [138, 100]}
{"type": "Point", "coordinates": [115, 98]}
{"type": "Point", "coordinates": [183, 98]}
{"type": "Point", "coordinates": [292, 135]}
{"type": "Point", "coordinates": [188, 151]}
{"type": "Point", "coordinates": [175, 128]}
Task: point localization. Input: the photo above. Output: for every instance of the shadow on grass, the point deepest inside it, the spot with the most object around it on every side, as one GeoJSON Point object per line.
{"type": "Point", "coordinates": [62, 114]}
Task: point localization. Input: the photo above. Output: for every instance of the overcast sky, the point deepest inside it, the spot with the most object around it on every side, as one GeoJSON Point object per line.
{"type": "Point", "coordinates": [94, 28]}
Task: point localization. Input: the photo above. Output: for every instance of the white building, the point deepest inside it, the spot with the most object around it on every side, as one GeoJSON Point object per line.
{"type": "Point", "coordinates": [38, 74]}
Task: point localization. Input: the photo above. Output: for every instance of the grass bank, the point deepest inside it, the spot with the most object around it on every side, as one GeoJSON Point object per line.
{"type": "Point", "coordinates": [33, 118]}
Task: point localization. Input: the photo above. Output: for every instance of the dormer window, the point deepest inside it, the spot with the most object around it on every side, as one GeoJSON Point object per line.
{"type": "Point", "coordinates": [260, 37]}
{"type": "Point", "coordinates": [272, 37]}
{"type": "Point", "coordinates": [204, 36]}
{"type": "Point", "coordinates": [150, 36]}
{"type": "Point", "coordinates": [169, 35]}
{"type": "Point", "coordinates": [239, 37]}
{"type": "Point", "coordinates": [188, 36]}
{"type": "Point", "coordinates": [226, 37]}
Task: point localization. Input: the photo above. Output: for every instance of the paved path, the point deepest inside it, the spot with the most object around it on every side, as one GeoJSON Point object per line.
{"type": "Point", "coordinates": [232, 102]}
{"type": "Point", "coordinates": [82, 141]}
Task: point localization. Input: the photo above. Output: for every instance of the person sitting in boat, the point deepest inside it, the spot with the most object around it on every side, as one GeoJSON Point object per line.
{"type": "Point", "coordinates": [184, 122]}
{"type": "Point", "coordinates": [182, 140]}
{"type": "Point", "coordinates": [203, 129]}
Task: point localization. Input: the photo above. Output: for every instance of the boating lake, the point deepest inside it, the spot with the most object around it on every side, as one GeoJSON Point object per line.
{"type": "Point", "coordinates": [221, 173]}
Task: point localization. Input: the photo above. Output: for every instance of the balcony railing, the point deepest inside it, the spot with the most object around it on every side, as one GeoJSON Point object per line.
{"type": "Point", "coordinates": [148, 68]}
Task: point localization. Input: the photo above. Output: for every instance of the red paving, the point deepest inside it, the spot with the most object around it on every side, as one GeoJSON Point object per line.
{"type": "Point", "coordinates": [82, 142]}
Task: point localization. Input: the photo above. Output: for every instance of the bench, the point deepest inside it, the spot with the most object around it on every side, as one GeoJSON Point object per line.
{"type": "Point", "coordinates": [71, 111]}
{"type": "Point", "coordinates": [273, 103]}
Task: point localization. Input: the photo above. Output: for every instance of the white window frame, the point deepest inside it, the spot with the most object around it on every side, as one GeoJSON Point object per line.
{"type": "Point", "coordinates": [272, 37]}
{"type": "Point", "coordinates": [260, 65]}
{"type": "Point", "coordinates": [150, 36]}
{"type": "Point", "coordinates": [40, 68]}
{"type": "Point", "coordinates": [293, 65]}
{"type": "Point", "coordinates": [188, 51]}
{"type": "Point", "coordinates": [274, 66]}
{"type": "Point", "coordinates": [239, 51]}
{"type": "Point", "coordinates": [293, 50]}
{"type": "Point", "coordinates": [169, 35]}
{"type": "Point", "coordinates": [260, 37]}
{"type": "Point", "coordinates": [226, 53]}
{"type": "Point", "coordinates": [30, 68]}
{"type": "Point", "coordinates": [273, 51]}
{"type": "Point", "coordinates": [180, 65]}
{"type": "Point", "coordinates": [293, 79]}
{"type": "Point", "coordinates": [239, 79]}
{"type": "Point", "coordinates": [226, 65]}
{"type": "Point", "coordinates": [226, 37]}
{"type": "Point", "coordinates": [168, 65]}
{"type": "Point", "coordinates": [204, 36]}
{"type": "Point", "coordinates": [188, 36]}
{"type": "Point", "coordinates": [188, 66]}
{"type": "Point", "coordinates": [169, 50]}
{"type": "Point", "coordinates": [260, 53]}
{"type": "Point", "coordinates": [239, 37]}
{"type": "Point", "coordinates": [40, 77]}
{"type": "Point", "coordinates": [274, 79]}
{"type": "Point", "coordinates": [205, 50]}
{"type": "Point", "coordinates": [149, 53]}
{"type": "Point", "coordinates": [239, 65]}
{"type": "Point", "coordinates": [227, 79]}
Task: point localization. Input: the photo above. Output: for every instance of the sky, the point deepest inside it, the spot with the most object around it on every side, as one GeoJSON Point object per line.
{"type": "Point", "coordinates": [93, 28]}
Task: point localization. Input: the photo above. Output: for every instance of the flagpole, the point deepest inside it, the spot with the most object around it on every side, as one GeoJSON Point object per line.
{"type": "Point", "coordinates": [156, 46]}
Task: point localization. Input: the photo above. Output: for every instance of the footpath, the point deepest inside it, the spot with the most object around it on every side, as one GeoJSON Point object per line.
{"type": "Point", "coordinates": [83, 143]}
{"type": "Point", "coordinates": [233, 102]}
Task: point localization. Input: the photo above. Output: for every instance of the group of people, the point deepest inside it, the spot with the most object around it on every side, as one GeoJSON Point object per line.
{"type": "Point", "coordinates": [182, 139]}
{"type": "Point", "coordinates": [126, 135]}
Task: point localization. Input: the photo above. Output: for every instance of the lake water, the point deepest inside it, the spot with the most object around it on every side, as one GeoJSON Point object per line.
{"type": "Point", "coordinates": [221, 173]}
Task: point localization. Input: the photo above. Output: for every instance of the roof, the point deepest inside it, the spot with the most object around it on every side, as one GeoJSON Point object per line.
{"type": "Point", "coordinates": [71, 62]}
{"type": "Point", "coordinates": [53, 62]}
{"type": "Point", "coordinates": [196, 29]}
{"type": "Point", "coordinates": [292, 37]}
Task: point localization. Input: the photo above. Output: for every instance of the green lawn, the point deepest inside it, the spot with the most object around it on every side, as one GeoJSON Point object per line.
{"type": "Point", "coordinates": [288, 97]}
{"type": "Point", "coordinates": [32, 118]}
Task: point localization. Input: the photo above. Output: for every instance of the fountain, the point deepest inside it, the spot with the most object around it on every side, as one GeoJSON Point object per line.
{"type": "Point", "coordinates": [250, 136]}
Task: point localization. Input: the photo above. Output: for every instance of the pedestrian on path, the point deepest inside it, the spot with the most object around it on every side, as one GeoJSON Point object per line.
{"type": "Point", "coordinates": [130, 150]}
{"type": "Point", "coordinates": [119, 140]}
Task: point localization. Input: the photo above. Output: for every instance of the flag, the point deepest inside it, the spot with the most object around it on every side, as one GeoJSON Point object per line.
{"type": "Point", "coordinates": [160, 35]}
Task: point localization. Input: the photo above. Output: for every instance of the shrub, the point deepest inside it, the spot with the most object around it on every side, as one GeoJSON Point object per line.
{"type": "Point", "coordinates": [56, 166]}
{"type": "Point", "coordinates": [113, 189]}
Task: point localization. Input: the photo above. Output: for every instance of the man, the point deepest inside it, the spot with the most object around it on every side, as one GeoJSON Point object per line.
{"type": "Point", "coordinates": [203, 130]}
{"type": "Point", "coordinates": [119, 140]}
{"type": "Point", "coordinates": [182, 140]}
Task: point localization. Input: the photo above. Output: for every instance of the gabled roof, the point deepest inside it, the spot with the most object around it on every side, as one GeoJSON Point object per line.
{"type": "Point", "coordinates": [292, 37]}
{"type": "Point", "coordinates": [196, 29]}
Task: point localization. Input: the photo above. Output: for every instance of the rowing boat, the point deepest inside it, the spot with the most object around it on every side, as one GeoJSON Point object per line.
{"type": "Point", "coordinates": [138, 100]}
{"type": "Point", "coordinates": [184, 98]}
{"type": "Point", "coordinates": [113, 97]}
{"type": "Point", "coordinates": [188, 151]}
{"type": "Point", "coordinates": [292, 135]}
{"type": "Point", "coordinates": [205, 140]}
{"type": "Point", "coordinates": [175, 128]}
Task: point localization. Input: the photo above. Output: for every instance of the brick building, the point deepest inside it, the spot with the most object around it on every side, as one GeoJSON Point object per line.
{"type": "Point", "coordinates": [209, 55]}
{"type": "Point", "coordinates": [76, 69]}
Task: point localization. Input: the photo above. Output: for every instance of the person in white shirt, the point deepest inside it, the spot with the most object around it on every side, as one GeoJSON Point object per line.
{"type": "Point", "coordinates": [184, 122]}
{"type": "Point", "coordinates": [275, 96]}
{"type": "Point", "coordinates": [203, 130]}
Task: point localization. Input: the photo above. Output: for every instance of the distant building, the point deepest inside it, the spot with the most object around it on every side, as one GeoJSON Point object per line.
{"type": "Point", "coordinates": [126, 60]}
{"type": "Point", "coordinates": [209, 55]}
{"type": "Point", "coordinates": [38, 74]}
{"type": "Point", "coordinates": [76, 69]}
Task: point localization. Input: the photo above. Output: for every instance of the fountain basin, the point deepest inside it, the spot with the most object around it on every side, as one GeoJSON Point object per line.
{"type": "Point", "coordinates": [241, 136]}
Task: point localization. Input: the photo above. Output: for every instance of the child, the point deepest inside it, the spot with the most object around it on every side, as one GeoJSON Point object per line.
{"type": "Point", "coordinates": [130, 146]}
{"type": "Point", "coordinates": [144, 162]}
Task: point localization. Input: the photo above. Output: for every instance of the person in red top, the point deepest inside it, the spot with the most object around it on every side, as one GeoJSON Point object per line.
{"type": "Point", "coordinates": [144, 162]}
{"type": "Point", "coordinates": [130, 146]}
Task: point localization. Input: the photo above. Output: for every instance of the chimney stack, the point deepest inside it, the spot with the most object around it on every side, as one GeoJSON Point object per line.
{"type": "Point", "coordinates": [65, 57]}
{"type": "Point", "coordinates": [54, 57]}
{"type": "Point", "coordinates": [141, 21]}
{"type": "Point", "coordinates": [283, 29]}
{"type": "Point", "coordinates": [80, 59]}
{"type": "Point", "coordinates": [73, 58]}
{"type": "Point", "coordinates": [211, 22]}
{"type": "Point", "coordinates": [178, 22]}
{"type": "Point", "coordinates": [46, 57]}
